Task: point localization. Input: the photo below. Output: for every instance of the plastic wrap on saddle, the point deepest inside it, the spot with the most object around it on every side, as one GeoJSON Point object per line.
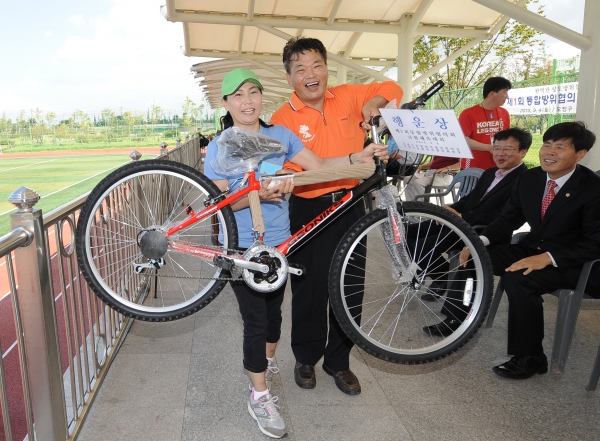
{"type": "Point", "coordinates": [242, 150]}
{"type": "Point", "coordinates": [394, 236]}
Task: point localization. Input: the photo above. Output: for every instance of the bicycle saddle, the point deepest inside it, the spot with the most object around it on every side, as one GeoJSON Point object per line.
{"type": "Point", "coordinates": [242, 150]}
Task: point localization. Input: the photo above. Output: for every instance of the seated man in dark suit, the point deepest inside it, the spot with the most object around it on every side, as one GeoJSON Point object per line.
{"type": "Point", "coordinates": [482, 205]}
{"type": "Point", "coordinates": [560, 200]}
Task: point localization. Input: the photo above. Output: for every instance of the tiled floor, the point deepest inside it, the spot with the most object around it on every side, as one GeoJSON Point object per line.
{"type": "Point", "coordinates": [184, 381]}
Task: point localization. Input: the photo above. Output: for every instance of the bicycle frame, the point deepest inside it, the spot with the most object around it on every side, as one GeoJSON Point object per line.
{"type": "Point", "coordinates": [253, 184]}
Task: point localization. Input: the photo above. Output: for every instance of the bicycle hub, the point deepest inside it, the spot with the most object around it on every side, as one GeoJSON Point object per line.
{"type": "Point", "coordinates": [153, 244]}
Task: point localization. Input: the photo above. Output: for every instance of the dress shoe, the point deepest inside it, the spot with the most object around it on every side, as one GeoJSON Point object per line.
{"type": "Point", "coordinates": [434, 291]}
{"type": "Point", "coordinates": [443, 329]}
{"type": "Point", "coordinates": [521, 367]}
{"type": "Point", "coordinates": [304, 374]}
{"type": "Point", "coordinates": [346, 381]}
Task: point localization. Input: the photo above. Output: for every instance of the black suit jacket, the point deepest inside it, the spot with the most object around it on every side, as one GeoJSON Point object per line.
{"type": "Point", "coordinates": [477, 209]}
{"type": "Point", "coordinates": [570, 230]}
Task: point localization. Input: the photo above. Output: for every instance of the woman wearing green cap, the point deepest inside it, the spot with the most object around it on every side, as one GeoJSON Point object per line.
{"type": "Point", "coordinates": [261, 312]}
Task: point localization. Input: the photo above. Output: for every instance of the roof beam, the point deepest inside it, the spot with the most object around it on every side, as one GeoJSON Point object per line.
{"type": "Point", "coordinates": [334, 10]}
{"type": "Point", "coordinates": [213, 53]}
{"type": "Point", "coordinates": [417, 16]}
{"type": "Point", "coordinates": [538, 22]}
{"type": "Point", "coordinates": [250, 16]}
{"type": "Point", "coordinates": [186, 39]}
{"type": "Point", "coordinates": [451, 32]}
{"type": "Point", "coordinates": [351, 43]}
{"type": "Point", "coordinates": [265, 66]}
{"type": "Point", "coordinates": [340, 60]}
{"type": "Point", "coordinates": [467, 47]}
{"type": "Point", "coordinates": [241, 40]}
{"type": "Point", "coordinates": [168, 9]}
{"type": "Point", "coordinates": [357, 67]}
{"type": "Point", "coordinates": [315, 23]}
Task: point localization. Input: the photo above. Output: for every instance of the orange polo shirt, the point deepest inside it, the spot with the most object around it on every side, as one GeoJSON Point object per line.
{"type": "Point", "coordinates": [336, 131]}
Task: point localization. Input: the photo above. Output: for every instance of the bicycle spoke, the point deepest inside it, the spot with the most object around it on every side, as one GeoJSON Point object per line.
{"type": "Point", "coordinates": [147, 198]}
{"type": "Point", "coordinates": [388, 315]}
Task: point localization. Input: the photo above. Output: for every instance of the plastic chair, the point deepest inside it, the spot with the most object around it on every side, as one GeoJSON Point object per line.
{"type": "Point", "coordinates": [596, 369]}
{"type": "Point", "coordinates": [466, 180]}
{"type": "Point", "coordinates": [569, 303]}
{"type": "Point", "coordinates": [595, 374]}
{"type": "Point", "coordinates": [406, 166]}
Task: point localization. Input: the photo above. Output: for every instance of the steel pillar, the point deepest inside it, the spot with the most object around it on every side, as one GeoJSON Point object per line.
{"type": "Point", "coordinates": [589, 81]}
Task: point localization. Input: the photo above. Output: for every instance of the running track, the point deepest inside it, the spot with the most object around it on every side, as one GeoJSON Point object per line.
{"type": "Point", "coordinates": [10, 353]}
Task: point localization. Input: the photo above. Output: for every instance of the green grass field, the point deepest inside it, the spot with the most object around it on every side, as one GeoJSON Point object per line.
{"type": "Point", "coordinates": [532, 158]}
{"type": "Point", "coordinates": [92, 143]}
{"type": "Point", "coordinates": [58, 179]}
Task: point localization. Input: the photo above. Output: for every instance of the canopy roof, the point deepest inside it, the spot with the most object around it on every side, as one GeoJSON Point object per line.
{"type": "Point", "coordinates": [359, 33]}
{"type": "Point", "coordinates": [356, 33]}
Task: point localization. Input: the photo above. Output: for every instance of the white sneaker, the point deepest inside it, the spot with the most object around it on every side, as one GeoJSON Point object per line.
{"type": "Point", "coordinates": [271, 369]}
{"type": "Point", "coordinates": [266, 413]}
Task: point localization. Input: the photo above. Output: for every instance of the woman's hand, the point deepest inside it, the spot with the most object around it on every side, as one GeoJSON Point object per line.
{"type": "Point", "coordinates": [275, 194]}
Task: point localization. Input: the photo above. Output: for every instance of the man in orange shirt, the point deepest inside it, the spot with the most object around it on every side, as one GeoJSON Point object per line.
{"type": "Point", "coordinates": [327, 121]}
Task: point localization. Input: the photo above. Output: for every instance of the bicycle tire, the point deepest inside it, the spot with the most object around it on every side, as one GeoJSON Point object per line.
{"type": "Point", "coordinates": [388, 318]}
{"type": "Point", "coordinates": [122, 208]}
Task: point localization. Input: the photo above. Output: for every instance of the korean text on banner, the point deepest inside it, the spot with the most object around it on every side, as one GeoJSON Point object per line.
{"type": "Point", "coordinates": [430, 132]}
{"type": "Point", "coordinates": [540, 100]}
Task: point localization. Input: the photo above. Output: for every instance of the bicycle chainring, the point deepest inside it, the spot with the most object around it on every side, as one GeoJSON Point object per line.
{"type": "Point", "coordinates": [278, 268]}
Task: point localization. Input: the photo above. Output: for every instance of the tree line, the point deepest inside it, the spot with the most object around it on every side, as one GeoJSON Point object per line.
{"type": "Point", "coordinates": [39, 127]}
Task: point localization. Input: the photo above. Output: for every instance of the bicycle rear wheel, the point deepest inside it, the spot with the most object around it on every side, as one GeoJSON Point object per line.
{"type": "Point", "coordinates": [388, 318]}
{"type": "Point", "coordinates": [144, 199]}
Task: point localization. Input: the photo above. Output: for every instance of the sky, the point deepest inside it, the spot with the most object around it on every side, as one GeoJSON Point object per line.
{"type": "Point", "coordinates": [65, 55]}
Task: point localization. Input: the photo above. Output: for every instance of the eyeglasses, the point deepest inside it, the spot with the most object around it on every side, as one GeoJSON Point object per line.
{"type": "Point", "coordinates": [503, 149]}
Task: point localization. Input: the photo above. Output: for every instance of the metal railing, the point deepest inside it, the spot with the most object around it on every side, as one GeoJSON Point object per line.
{"type": "Point", "coordinates": [61, 340]}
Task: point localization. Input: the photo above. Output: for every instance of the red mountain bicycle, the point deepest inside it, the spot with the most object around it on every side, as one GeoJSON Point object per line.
{"type": "Point", "coordinates": [157, 240]}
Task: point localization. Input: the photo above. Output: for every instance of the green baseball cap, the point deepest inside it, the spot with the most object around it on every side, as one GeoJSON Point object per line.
{"type": "Point", "coordinates": [236, 78]}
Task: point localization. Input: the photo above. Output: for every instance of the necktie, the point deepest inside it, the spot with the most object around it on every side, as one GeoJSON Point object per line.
{"type": "Point", "coordinates": [549, 196]}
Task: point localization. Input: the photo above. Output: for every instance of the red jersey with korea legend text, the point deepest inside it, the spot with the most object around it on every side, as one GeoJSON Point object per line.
{"type": "Point", "coordinates": [480, 125]}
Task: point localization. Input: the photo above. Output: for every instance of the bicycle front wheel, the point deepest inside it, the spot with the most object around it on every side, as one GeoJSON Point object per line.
{"type": "Point", "coordinates": [391, 317]}
{"type": "Point", "coordinates": [145, 199]}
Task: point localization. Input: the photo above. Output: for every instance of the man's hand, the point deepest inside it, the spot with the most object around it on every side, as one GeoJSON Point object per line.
{"type": "Point", "coordinates": [449, 208]}
{"type": "Point", "coordinates": [371, 109]}
{"type": "Point", "coordinates": [530, 264]}
{"type": "Point", "coordinates": [464, 256]}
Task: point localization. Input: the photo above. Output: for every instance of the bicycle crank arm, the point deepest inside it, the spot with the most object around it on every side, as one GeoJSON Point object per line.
{"type": "Point", "coordinates": [229, 262]}
{"type": "Point", "coordinates": [296, 271]}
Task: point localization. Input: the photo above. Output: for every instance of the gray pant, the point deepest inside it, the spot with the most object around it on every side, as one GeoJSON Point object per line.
{"type": "Point", "coordinates": [416, 183]}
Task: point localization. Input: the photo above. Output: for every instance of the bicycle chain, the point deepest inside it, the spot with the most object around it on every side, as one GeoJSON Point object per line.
{"type": "Point", "coordinates": [227, 279]}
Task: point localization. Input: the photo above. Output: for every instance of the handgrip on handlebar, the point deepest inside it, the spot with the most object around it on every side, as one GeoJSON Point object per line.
{"type": "Point", "coordinates": [422, 99]}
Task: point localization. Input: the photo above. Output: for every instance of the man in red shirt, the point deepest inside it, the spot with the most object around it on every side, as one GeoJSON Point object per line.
{"type": "Point", "coordinates": [327, 121]}
{"type": "Point", "coordinates": [480, 122]}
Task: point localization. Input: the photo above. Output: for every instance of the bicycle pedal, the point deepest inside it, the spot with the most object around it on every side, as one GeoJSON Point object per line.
{"type": "Point", "coordinates": [295, 269]}
{"type": "Point", "coordinates": [224, 262]}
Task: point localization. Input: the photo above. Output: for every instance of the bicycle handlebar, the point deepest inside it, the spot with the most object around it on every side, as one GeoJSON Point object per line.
{"type": "Point", "coordinates": [422, 99]}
